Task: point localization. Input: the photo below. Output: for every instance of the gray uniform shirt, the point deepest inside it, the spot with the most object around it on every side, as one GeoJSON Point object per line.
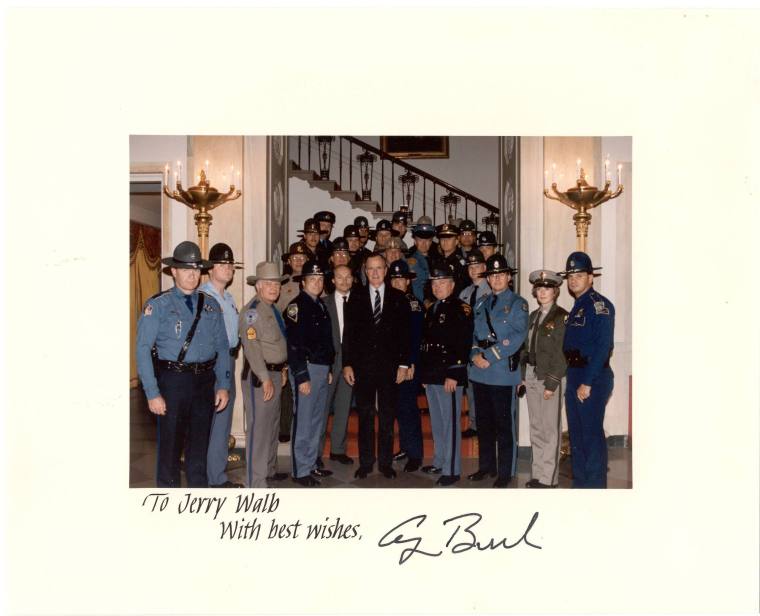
{"type": "Point", "coordinates": [263, 339]}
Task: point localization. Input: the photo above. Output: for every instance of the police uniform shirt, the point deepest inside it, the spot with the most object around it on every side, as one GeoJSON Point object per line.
{"type": "Point", "coordinates": [165, 323]}
{"type": "Point", "coordinates": [446, 336]}
{"type": "Point", "coordinates": [474, 293]}
{"type": "Point", "coordinates": [288, 292]}
{"type": "Point", "coordinates": [507, 314]}
{"type": "Point", "coordinates": [309, 335]}
{"type": "Point", "coordinates": [590, 332]}
{"type": "Point", "coordinates": [229, 311]}
{"type": "Point", "coordinates": [415, 328]}
{"type": "Point", "coordinates": [262, 332]}
{"type": "Point", "coordinates": [420, 265]}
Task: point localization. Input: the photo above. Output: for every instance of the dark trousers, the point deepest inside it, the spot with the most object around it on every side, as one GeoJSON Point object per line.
{"type": "Point", "coordinates": [286, 409]}
{"type": "Point", "coordinates": [383, 385]}
{"type": "Point", "coordinates": [585, 422]}
{"type": "Point", "coordinates": [409, 421]}
{"type": "Point", "coordinates": [186, 425]}
{"type": "Point", "coordinates": [496, 429]}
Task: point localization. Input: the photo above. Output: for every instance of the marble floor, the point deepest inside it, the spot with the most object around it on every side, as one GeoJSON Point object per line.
{"type": "Point", "coordinates": [142, 432]}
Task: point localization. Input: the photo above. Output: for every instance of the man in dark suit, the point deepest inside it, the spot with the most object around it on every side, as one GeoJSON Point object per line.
{"type": "Point", "coordinates": [375, 361]}
{"type": "Point", "coordinates": [339, 394]}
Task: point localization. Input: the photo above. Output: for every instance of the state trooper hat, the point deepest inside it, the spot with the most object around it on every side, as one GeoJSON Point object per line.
{"type": "Point", "coordinates": [361, 222]}
{"type": "Point", "coordinates": [325, 216]}
{"type": "Point", "coordinates": [400, 217]}
{"type": "Point", "coordinates": [446, 230]}
{"type": "Point", "coordinates": [187, 255]}
{"type": "Point", "coordinates": [267, 270]}
{"type": "Point", "coordinates": [400, 269]}
{"type": "Point", "coordinates": [383, 225]}
{"type": "Point", "coordinates": [487, 238]}
{"type": "Point", "coordinates": [474, 257]}
{"type": "Point", "coordinates": [311, 268]}
{"type": "Point", "coordinates": [297, 248]}
{"type": "Point", "coordinates": [394, 242]}
{"type": "Point", "coordinates": [350, 231]}
{"type": "Point", "coordinates": [221, 253]}
{"type": "Point", "coordinates": [579, 262]}
{"type": "Point", "coordinates": [440, 273]}
{"type": "Point", "coordinates": [545, 278]}
{"type": "Point", "coordinates": [466, 225]}
{"type": "Point", "coordinates": [310, 226]}
{"type": "Point", "coordinates": [497, 264]}
{"type": "Point", "coordinates": [424, 228]}
{"type": "Point", "coordinates": [340, 243]}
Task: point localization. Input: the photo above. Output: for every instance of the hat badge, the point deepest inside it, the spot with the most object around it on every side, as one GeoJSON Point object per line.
{"type": "Point", "coordinates": [543, 275]}
{"type": "Point", "coordinates": [572, 263]}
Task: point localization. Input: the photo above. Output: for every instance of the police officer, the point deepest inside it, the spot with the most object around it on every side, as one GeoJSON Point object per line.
{"type": "Point", "coordinates": [445, 348]}
{"type": "Point", "coordinates": [421, 258]}
{"type": "Point", "coordinates": [487, 244]}
{"type": "Point", "coordinates": [362, 225]}
{"type": "Point", "coordinates": [310, 356]}
{"type": "Point", "coordinates": [466, 237]}
{"type": "Point", "coordinates": [382, 234]}
{"type": "Point", "coordinates": [326, 220]}
{"type": "Point", "coordinates": [356, 254]}
{"type": "Point", "coordinates": [219, 278]}
{"type": "Point", "coordinates": [191, 376]}
{"type": "Point", "coordinates": [262, 331]}
{"type": "Point", "coordinates": [310, 239]}
{"type": "Point", "coordinates": [409, 422]}
{"type": "Point", "coordinates": [472, 294]}
{"type": "Point", "coordinates": [399, 222]}
{"type": "Point", "coordinates": [543, 367]}
{"type": "Point", "coordinates": [589, 340]}
{"type": "Point", "coordinates": [450, 255]}
{"type": "Point", "coordinates": [394, 250]}
{"type": "Point", "coordinates": [501, 324]}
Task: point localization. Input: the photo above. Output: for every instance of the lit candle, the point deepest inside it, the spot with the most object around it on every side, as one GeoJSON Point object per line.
{"type": "Point", "coordinates": [207, 170]}
{"type": "Point", "coordinates": [238, 178]}
{"type": "Point", "coordinates": [620, 174]}
{"type": "Point", "coordinates": [232, 176]}
{"type": "Point", "coordinates": [607, 169]}
{"type": "Point", "coordinates": [179, 172]}
{"type": "Point", "coordinates": [166, 175]}
{"type": "Point", "coordinates": [578, 168]}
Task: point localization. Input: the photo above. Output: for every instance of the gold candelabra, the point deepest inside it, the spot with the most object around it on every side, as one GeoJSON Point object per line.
{"type": "Point", "coordinates": [201, 198]}
{"type": "Point", "coordinates": [583, 198]}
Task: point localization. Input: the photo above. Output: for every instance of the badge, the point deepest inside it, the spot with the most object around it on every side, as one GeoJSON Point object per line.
{"type": "Point", "coordinates": [251, 316]}
{"type": "Point", "coordinates": [580, 313]}
{"type": "Point", "coordinates": [178, 328]}
{"type": "Point", "coordinates": [414, 305]}
{"type": "Point", "coordinates": [148, 310]}
{"type": "Point", "coordinates": [565, 318]}
{"type": "Point", "coordinates": [292, 312]}
{"type": "Point", "coordinates": [208, 308]}
{"type": "Point", "coordinates": [250, 333]}
{"type": "Point", "coordinates": [600, 308]}
{"type": "Point", "coordinates": [442, 318]}
{"type": "Point", "coordinates": [506, 309]}
{"type": "Point", "coordinates": [550, 325]}
{"type": "Point", "coordinates": [466, 309]}
{"type": "Point", "coordinates": [525, 307]}
{"type": "Point", "coordinates": [411, 262]}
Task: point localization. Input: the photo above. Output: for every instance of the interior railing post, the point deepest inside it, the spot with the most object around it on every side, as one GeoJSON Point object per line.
{"type": "Point", "coordinates": [382, 183]}
{"type": "Point", "coordinates": [308, 151]}
{"type": "Point", "coordinates": [340, 162]}
{"type": "Point", "coordinates": [300, 164]}
{"type": "Point", "coordinates": [424, 203]}
{"type": "Point", "coordinates": [350, 166]}
{"type": "Point", "coordinates": [393, 183]}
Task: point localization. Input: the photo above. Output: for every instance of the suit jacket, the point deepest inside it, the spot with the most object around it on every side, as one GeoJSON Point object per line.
{"type": "Point", "coordinates": [550, 360]}
{"type": "Point", "coordinates": [376, 349]}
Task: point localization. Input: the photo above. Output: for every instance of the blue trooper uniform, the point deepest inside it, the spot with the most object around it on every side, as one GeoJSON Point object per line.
{"type": "Point", "coordinates": [588, 344]}
{"type": "Point", "coordinates": [409, 421]}
{"type": "Point", "coordinates": [419, 264]}
{"type": "Point", "coordinates": [446, 336]}
{"type": "Point", "coordinates": [221, 422]}
{"type": "Point", "coordinates": [187, 382]}
{"type": "Point", "coordinates": [310, 357]}
{"type": "Point", "coordinates": [501, 326]}
{"type": "Point", "coordinates": [472, 295]}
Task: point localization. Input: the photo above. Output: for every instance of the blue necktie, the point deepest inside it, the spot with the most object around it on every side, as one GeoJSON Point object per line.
{"type": "Point", "coordinates": [280, 322]}
{"type": "Point", "coordinates": [189, 302]}
{"type": "Point", "coordinates": [376, 312]}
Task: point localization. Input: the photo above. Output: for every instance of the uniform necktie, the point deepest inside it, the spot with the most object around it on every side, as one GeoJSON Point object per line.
{"type": "Point", "coordinates": [494, 299]}
{"type": "Point", "coordinates": [376, 311]}
{"type": "Point", "coordinates": [473, 296]}
{"type": "Point", "coordinates": [189, 302]}
{"type": "Point", "coordinates": [532, 349]}
{"type": "Point", "coordinates": [280, 322]}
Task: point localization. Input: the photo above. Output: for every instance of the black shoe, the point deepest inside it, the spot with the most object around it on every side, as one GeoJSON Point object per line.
{"type": "Point", "coordinates": [399, 455]}
{"type": "Point", "coordinates": [278, 477]}
{"type": "Point", "coordinates": [307, 482]}
{"type": "Point", "coordinates": [480, 475]}
{"type": "Point", "coordinates": [502, 482]}
{"type": "Point", "coordinates": [412, 464]}
{"type": "Point", "coordinates": [321, 472]}
{"type": "Point", "coordinates": [432, 470]}
{"type": "Point", "coordinates": [362, 472]}
{"type": "Point", "coordinates": [228, 484]}
{"type": "Point", "coordinates": [341, 457]}
{"type": "Point", "coordinates": [320, 464]}
{"type": "Point", "coordinates": [284, 438]}
{"type": "Point", "coordinates": [387, 472]}
{"type": "Point", "coordinates": [469, 433]}
{"type": "Point", "coordinates": [535, 483]}
{"type": "Point", "coordinates": [447, 480]}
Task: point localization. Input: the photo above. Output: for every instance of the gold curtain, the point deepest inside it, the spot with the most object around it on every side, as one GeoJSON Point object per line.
{"type": "Point", "coordinates": [144, 279]}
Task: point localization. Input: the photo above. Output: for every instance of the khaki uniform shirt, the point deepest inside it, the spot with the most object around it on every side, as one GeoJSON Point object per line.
{"type": "Point", "coordinates": [263, 340]}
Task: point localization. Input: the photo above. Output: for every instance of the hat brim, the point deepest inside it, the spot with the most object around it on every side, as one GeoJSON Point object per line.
{"type": "Point", "coordinates": [500, 270]}
{"type": "Point", "coordinates": [578, 271]}
{"type": "Point", "coordinates": [409, 276]}
{"type": "Point", "coordinates": [300, 277]}
{"type": "Point", "coordinates": [547, 283]}
{"type": "Point", "coordinates": [202, 264]}
{"type": "Point", "coordinates": [235, 264]}
{"type": "Point", "coordinates": [254, 279]}
{"type": "Point", "coordinates": [425, 235]}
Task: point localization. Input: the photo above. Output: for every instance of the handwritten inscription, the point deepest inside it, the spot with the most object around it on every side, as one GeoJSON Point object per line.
{"type": "Point", "coordinates": [462, 539]}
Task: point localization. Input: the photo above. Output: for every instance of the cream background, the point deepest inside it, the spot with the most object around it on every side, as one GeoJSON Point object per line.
{"type": "Point", "coordinates": [684, 84]}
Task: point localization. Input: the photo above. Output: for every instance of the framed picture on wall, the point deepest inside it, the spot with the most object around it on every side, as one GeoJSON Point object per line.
{"type": "Point", "coordinates": [416, 147]}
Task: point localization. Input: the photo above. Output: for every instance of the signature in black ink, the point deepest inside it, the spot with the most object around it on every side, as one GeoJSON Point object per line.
{"type": "Point", "coordinates": [465, 537]}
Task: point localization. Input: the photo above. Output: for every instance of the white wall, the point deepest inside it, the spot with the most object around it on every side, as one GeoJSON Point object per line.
{"type": "Point", "coordinates": [145, 209]}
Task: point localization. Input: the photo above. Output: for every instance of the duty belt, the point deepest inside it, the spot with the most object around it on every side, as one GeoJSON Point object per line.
{"type": "Point", "coordinates": [432, 346]}
{"type": "Point", "coordinates": [486, 344]}
{"type": "Point", "coordinates": [179, 366]}
{"type": "Point", "coordinates": [277, 367]}
{"type": "Point", "coordinates": [576, 360]}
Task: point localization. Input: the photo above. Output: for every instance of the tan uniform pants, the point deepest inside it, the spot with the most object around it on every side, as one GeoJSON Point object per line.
{"type": "Point", "coordinates": [545, 428]}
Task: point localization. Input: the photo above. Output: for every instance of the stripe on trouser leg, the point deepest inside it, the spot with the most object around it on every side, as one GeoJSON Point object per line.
{"type": "Point", "coordinates": [294, 429]}
{"type": "Point", "coordinates": [555, 474]}
{"type": "Point", "coordinates": [513, 419]}
{"type": "Point", "coordinates": [249, 453]}
{"type": "Point", "coordinates": [454, 429]}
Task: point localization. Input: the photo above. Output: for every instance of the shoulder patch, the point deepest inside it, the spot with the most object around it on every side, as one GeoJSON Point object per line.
{"type": "Point", "coordinates": [525, 306]}
{"type": "Point", "coordinates": [564, 319]}
{"type": "Point", "coordinates": [601, 308]}
{"type": "Point", "coordinates": [292, 312]}
{"type": "Point", "coordinates": [148, 310]}
{"type": "Point", "coordinates": [411, 261]}
{"type": "Point", "coordinates": [250, 333]}
{"type": "Point", "coordinates": [414, 305]}
{"type": "Point", "coordinates": [208, 308]}
{"type": "Point", "coordinates": [466, 309]}
{"type": "Point", "coordinates": [251, 316]}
